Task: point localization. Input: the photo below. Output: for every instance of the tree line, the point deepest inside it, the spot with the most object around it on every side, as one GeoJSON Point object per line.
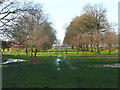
{"type": "Point", "coordinates": [91, 31]}
{"type": "Point", "coordinates": [24, 23]}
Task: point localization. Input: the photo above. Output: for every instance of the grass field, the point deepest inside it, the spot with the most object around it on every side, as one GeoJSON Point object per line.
{"type": "Point", "coordinates": [71, 52]}
{"type": "Point", "coordinates": [41, 72]}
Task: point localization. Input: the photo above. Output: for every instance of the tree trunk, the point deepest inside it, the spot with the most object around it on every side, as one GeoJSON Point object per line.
{"type": "Point", "coordinates": [17, 52]}
{"type": "Point", "coordinates": [31, 52]}
{"type": "Point", "coordinates": [87, 47]}
{"type": "Point", "coordinates": [41, 52]}
{"type": "Point", "coordinates": [109, 48]}
{"type": "Point", "coordinates": [97, 48]}
{"type": "Point", "coordinates": [78, 51]}
{"type": "Point", "coordinates": [83, 48]}
{"type": "Point", "coordinates": [44, 48]}
{"type": "Point", "coordinates": [114, 51]}
{"type": "Point", "coordinates": [91, 47]}
{"type": "Point", "coordinates": [26, 51]}
{"type": "Point", "coordinates": [83, 51]}
{"type": "Point", "coordinates": [94, 47]}
{"type": "Point", "coordinates": [61, 51]}
{"type": "Point", "coordinates": [48, 51]}
{"type": "Point", "coordinates": [55, 51]}
{"type": "Point", "coordinates": [35, 52]}
{"type": "Point", "coordinates": [8, 49]}
{"type": "Point", "coordinates": [66, 50]}
{"type": "Point", "coordinates": [3, 49]}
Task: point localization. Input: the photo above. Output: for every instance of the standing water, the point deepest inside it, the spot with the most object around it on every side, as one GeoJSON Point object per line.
{"type": "Point", "coordinates": [57, 63]}
{"type": "Point", "coordinates": [116, 65]}
{"type": "Point", "coordinates": [7, 61]}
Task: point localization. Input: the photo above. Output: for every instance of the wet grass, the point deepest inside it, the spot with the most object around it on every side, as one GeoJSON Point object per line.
{"type": "Point", "coordinates": [45, 74]}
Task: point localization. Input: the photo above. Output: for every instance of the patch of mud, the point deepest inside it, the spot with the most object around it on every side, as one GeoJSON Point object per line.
{"type": "Point", "coordinates": [96, 65]}
{"type": "Point", "coordinates": [116, 65]}
{"type": "Point", "coordinates": [65, 58]}
{"type": "Point", "coordinates": [73, 68]}
{"type": "Point", "coordinates": [69, 64]}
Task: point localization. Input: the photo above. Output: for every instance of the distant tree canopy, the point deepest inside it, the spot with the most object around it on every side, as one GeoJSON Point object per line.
{"type": "Point", "coordinates": [90, 29]}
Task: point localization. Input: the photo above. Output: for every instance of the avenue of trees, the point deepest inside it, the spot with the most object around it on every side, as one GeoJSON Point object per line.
{"type": "Point", "coordinates": [91, 31]}
{"type": "Point", "coordinates": [26, 25]}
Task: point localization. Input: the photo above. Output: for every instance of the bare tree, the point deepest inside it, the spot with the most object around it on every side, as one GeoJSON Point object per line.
{"type": "Point", "coordinates": [93, 22]}
{"type": "Point", "coordinates": [11, 10]}
{"type": "Point", "coordinates": [111, 40]}
{"type": "Point", "coordinates": [42, 37]}
{"type": "Point", "coordinates": [97, 36]}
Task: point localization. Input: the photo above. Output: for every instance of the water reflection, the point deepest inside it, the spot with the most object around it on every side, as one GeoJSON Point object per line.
{"type": "Point", "coordinates": [12, 61]}
{"type": "Point", "coordinates": [58, 68]}
{"type": "Point", "coordinates": [57, 63]}
{"type": "Point", "coordinates": [7, 61]}
{"type": "Point", "coordinates": [116, 65]}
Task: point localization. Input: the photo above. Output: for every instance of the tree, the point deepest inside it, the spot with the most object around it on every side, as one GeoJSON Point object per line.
{"type": "Point", "coordinates": [71, 32]}
{"type": "Point", "coordinates": [42, 37]}
{"type": "Point", "coordinates": [20, 31]}
{"type": "Point", "coordinates": [92, 22]}
{"type": "Point", "coordinates": [99, 20]}
{"type": "Point", "coordinates": [77, 42]}
{"type": "Point", "coordinates": [111, 40]}
{"type": "Point", "coordinates": [30, 28]}
{"type": "Point", "coordinates": [11, 10]}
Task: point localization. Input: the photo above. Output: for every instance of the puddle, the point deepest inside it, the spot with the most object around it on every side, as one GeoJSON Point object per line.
{"type": "Point", "coordinates": [13, 60]}
{"type": "Point", "coordinates": [58, 69]}
{"type": "Point", "coordinates": [116, 65]}
{"type": "Point", "coordinates": [57, 63]}
{"type": "Point", "coordinates": [7, 61]}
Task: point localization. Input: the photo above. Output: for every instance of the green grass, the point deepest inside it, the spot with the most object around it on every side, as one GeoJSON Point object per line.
{"type": "Point", "coordinates": [72, 52]}
{"type": "Point", "coordinates": [45, 73]}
